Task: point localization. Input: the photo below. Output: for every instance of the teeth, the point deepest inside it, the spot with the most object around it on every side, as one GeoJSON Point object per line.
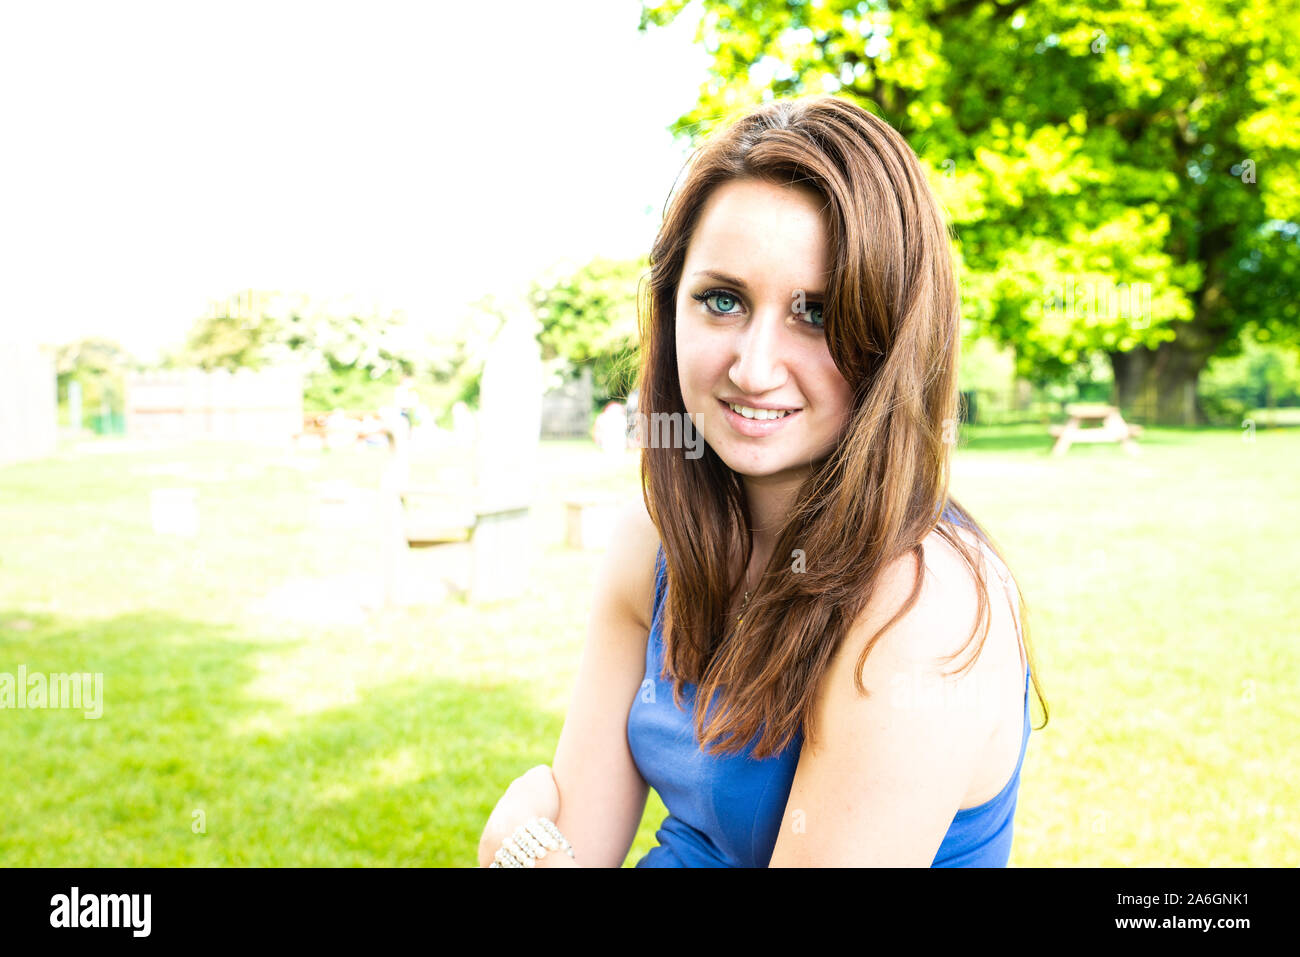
{"type": "Point", "coordinates": [749, 413]}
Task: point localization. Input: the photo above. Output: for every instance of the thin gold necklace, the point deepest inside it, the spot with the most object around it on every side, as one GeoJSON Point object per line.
{"type": "Point", "coordinates": [745, 601]}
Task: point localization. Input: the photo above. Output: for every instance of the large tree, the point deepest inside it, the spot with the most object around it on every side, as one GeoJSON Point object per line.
{"type": "Point", "coordinates": [1081, 149]}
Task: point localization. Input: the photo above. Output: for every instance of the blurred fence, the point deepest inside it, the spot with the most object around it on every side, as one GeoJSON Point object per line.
{"type": "Point", "coordinates": [262, 406]}
{"type": "Point", "coordinates": [28, 403]}
{"type": "Point", "coordinates": [1024, 404]}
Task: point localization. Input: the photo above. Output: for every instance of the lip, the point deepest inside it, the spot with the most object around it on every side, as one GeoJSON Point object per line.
{"type": "Point", "coordinates": [756, 405]}
{"type": "Point", "coordinates": [755, 428]}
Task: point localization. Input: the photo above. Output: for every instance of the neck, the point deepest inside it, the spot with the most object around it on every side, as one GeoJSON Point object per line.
{"type": "Point", "coordinates": [769, 506]}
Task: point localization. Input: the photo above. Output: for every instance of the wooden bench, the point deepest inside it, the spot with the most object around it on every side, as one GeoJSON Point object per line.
{"type": "Point", "coordinates": [1113, 428]}
{"type": "Point", "coordinates": [1134, 431]}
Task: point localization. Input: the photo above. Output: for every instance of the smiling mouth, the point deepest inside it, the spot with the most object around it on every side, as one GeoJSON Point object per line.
{"type": "Point", "coordinates": [753, 427]}
{"type": "Point", "coordinates": [760, 415]}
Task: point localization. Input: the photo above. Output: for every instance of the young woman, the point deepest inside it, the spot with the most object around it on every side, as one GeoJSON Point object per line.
{"type": "Point", "coordinates": [809, 575]}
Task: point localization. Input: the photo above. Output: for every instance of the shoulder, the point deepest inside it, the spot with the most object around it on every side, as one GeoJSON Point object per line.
{"type": "Point", "coordinates": [928, 652]}
{"type": "Point", "coordinates": [629, 562]}
{"type": "Point", "coordinates": [919, 733]}
{"type": "Point", "coordinates": [948, 601]}
{"type": "Point", "coordinates": [946, 587]}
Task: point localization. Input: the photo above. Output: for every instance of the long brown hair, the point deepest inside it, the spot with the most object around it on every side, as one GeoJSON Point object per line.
{"type": "Point", "coordinates": [891, 315]}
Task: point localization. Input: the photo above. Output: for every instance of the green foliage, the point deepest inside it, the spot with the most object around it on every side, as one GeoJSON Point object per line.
{"type": "Point", "coordinates": [349, 388]}
{"type": "Point", "coordinates": [1261, 375]}
{"type": "Point", "coordinates": [590, 316]}
{"type": "Point", "coordinates": [983, 365]}
{"type": "Point", "coordinates": [1103, 141]}
{"type": "Point", "coordinates": [229, 342]}
{"type": "Point", "coordinates": [349, 360]}
{"type": "Point", "coordinates": [100, 366]}
{"type": "Point", "coordinates": [327, 741]}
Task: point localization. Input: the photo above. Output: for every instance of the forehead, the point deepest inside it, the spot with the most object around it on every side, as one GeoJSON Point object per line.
{"type": "Point", "coordinates": [764, 233]}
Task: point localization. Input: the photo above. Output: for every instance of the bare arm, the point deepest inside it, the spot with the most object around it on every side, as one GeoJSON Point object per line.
{"type": "Point", "coordinates": [602, 793]}
{"type": "Point", "coordinates": [891, 769]}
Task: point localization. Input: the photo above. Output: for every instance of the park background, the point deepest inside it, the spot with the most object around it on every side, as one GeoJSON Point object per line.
{"type": "Point", "coordinates": [340, 198]}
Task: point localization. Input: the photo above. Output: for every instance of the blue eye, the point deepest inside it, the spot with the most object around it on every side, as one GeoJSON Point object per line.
{"type": "Point", "coordinates": [811, 316]}
{"type": "Point", "coordinates": [720, 297]}
{"type": "Point", "coordinates": [722, 303]}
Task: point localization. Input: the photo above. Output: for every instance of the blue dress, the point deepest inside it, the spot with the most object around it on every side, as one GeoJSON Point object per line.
{"type": "Point", "coordinates": [726, 811]}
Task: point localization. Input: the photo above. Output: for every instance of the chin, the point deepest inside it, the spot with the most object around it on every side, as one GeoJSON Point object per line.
{"type": "Point", "coordinates": [763, 466]}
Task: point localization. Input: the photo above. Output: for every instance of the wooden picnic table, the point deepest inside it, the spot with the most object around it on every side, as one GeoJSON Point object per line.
{"type": "Point", "coordinates": [1113, 428]}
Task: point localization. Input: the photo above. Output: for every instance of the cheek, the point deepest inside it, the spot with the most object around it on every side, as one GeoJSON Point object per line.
{"type": "Point", "coordinates": [682, 343]}
{"type": "Point", "coordinates": [681, 333]}
{"type": "Point", "coordinates": [685, 325]}
{"type": "Point", "coordinates": [836, 394]}
{"type": "Point", "coordinates": [695, 355]}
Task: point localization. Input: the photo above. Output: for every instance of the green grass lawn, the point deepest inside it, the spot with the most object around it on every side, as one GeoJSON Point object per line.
{"type": "Point", "coordinates": [1161, 607]}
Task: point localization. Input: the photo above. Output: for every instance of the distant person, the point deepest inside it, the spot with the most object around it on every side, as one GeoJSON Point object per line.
{"type": "Point", "coordinates": [610, 430]}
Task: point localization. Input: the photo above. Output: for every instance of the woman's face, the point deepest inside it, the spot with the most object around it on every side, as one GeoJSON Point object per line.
{"type": "Point", "coordinates": [749, 330]}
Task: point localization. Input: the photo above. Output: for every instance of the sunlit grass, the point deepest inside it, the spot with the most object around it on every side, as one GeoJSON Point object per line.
{"type": "Point", "coordinates": [1161, 607]}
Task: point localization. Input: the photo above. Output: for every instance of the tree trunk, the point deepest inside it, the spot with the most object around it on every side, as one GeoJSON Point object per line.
{"type": "Point", "coordinates": [1158, 386]}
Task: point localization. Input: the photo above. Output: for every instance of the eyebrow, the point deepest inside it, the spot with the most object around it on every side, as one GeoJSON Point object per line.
{"type": "Point", "coordinates": [740, 283]}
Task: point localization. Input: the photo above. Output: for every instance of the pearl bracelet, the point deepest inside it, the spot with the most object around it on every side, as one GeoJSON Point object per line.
{"type": "Point", "coordinates": [529, 843]}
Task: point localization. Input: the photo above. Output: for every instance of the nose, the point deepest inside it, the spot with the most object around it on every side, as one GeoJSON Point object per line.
{"type": "Point", "coordinates": [758, 367]}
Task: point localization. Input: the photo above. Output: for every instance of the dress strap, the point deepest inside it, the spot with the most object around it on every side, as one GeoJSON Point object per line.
{"type": "Point", "coordinates": [1005, 574]}
{"type": "Point", "coordinates": [661, 568]}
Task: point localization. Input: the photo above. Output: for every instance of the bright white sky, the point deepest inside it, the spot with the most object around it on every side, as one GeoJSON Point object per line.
{"type": "Point", "coordinates": [157, 156]}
